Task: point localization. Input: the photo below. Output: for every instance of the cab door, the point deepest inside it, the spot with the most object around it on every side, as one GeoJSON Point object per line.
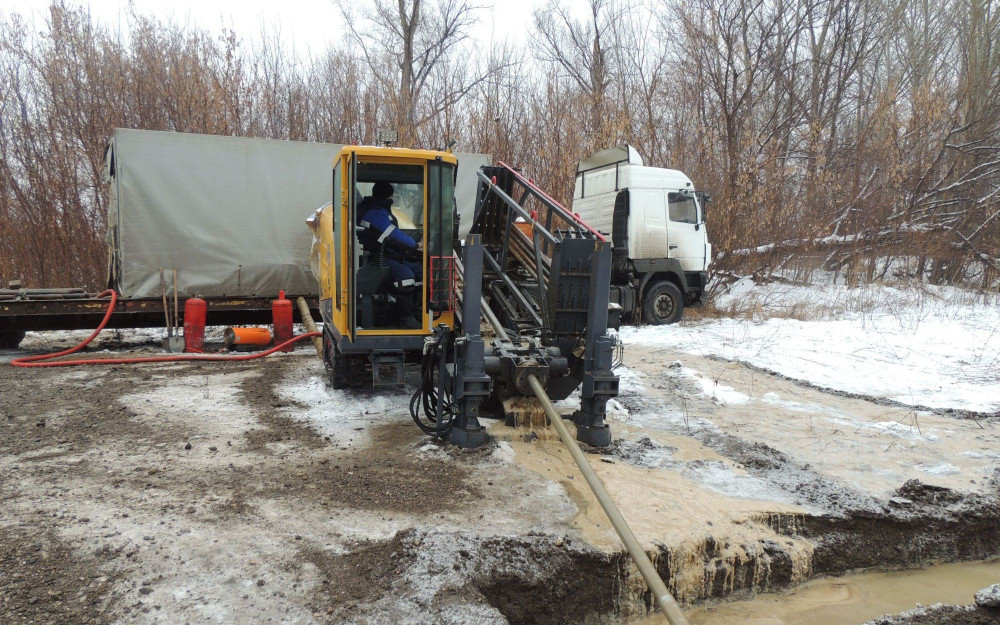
{"type": "Point", "coordinates": [685, 236]}
{"type": "Point", "coordinates": [352, 250]}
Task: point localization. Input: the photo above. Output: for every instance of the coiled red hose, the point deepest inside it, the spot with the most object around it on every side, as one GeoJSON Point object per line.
{"type": "Point", "coordinates": [42, 360]}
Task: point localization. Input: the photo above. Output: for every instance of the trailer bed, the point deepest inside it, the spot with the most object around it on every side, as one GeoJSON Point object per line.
{"type": "Point", "coordinates": [78, 310]}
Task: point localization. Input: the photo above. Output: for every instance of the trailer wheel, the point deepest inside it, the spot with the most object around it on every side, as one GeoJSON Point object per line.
{"type": "Point", "coordinates": [664, 304]}
{"type": "Point", "coordinates": [10, 340]}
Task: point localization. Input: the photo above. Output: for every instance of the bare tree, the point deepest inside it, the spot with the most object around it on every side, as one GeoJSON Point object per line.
{"type": "Point", "coordinates": [580, 50]}
{"type": "Point", "coordinates": [403, 43]}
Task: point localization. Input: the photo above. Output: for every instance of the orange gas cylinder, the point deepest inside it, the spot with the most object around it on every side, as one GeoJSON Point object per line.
{"type": "Point", "coordinates": [281, 315]}
{"type": "Point", "coordinates": [245, 339]}
{"type": "Point", "coordinates": [195, 310]}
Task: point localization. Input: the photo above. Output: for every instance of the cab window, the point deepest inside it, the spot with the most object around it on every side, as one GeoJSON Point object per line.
{"type": "Point", "coordinates": [682, 208]}
{"type": "Point", "coordinates": [441, 183]}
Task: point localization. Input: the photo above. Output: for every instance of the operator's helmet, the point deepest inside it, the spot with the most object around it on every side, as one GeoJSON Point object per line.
{"type": "Point", "coordinates": [382, 191]}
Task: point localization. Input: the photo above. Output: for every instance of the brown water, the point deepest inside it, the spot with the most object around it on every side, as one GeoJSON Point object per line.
{"type": "Point", "coordinates": [853, 599]}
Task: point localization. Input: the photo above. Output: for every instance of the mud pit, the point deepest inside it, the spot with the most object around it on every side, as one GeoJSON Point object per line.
{"type": "Point", "coordinates": [253, 493]}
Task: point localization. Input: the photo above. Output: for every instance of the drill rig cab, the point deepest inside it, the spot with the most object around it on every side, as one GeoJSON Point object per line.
{"type": "Point", "coordinates": [540, 267]}
{"type": "Point", "coordinates": [379, 300]}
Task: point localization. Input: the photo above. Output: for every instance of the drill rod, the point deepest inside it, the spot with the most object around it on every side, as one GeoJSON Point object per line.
{"type": "Point", "coordinates": [307, 321]}
{"type": "Point", "coordinates": [667, 603]}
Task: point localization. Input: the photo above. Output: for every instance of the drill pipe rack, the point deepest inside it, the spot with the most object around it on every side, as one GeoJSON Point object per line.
{"type": "Point", "coordinates": [541, 277]}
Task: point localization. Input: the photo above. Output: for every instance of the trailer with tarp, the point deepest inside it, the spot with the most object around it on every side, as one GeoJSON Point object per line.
{"type": "Point", "coordinates": [225, 213]}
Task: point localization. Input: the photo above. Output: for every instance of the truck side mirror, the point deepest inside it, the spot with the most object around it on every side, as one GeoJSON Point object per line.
{"type": "Point", "coordinates": [704, 200]}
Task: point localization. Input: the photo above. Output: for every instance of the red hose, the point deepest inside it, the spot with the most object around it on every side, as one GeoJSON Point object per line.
{"type": "Point", "coordinates": [33, 361]}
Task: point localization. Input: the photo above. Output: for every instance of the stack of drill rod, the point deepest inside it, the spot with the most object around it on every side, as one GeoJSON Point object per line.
{"type": "Point", "coordinates": [44, 294]}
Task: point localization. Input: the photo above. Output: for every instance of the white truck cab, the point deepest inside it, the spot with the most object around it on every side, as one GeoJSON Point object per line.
{"type": "Point", "coordinates": [657, 223]}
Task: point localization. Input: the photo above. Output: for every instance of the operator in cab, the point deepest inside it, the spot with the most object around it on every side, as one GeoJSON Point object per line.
{"type": "Point", "coordinates": [400, 252]}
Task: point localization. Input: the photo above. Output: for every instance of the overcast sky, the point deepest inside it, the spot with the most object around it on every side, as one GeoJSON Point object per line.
{"type": "Point", "coordinates": [305, 25]}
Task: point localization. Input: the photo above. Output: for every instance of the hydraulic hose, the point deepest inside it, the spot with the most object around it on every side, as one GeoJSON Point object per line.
{"type": "Point", "coordinates": [664, 599]}
{"type": "Point", "coordinates": [45, 360]}
{"type": "Point", "coordinates": [433, 396]}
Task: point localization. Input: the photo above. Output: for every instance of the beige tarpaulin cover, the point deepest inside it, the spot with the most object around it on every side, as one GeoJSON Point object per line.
{"type": "Point", "coordinates": [228, 213]}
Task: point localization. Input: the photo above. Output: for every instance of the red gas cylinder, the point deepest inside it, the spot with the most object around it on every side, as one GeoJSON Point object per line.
{"type": "Point", "coordinates": [281, 314]}
{"type": "Point", "coordinates": [195, 310]}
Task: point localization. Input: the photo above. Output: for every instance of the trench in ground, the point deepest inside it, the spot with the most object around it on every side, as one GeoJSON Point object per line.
{"type": "Point", "coordinates": [549, 580]}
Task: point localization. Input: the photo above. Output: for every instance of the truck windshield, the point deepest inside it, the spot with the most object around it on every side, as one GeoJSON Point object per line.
{"type": "Point", "coordinates": [682, 208]}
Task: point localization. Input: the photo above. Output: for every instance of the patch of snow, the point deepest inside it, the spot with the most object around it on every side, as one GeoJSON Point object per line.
{"type": "Point", "coordinates": [661, 417]}
{"type": "Point", "coordinates": [569, 405]}
{"type": "Point", "coordinates": [932, 346]}
{"type": "Point", "coordinates": [982, 453]}
{"type": "Point", "coordinates": [720, 393]}
{"type": "Point", "coordinates": [647, 453]}
{"type": "Point", "coordinates": [629, 380]}
{"type": "Point", "coordinates": [892, 428]}
{"type": "Point", "coordinates": [940, 468]}
{"type": "Point", "coordinates": [504, 453]}
{"type": "Point", "coordinates": [989, 597]}
{"type": "Point", "coordinates": [775, 400]}
{"type": "Point", "coordinates": [431, 448]}
{"type": "Point", "coordinates": [721, 478]}
{"type": "Point", "coordinates": [345, 416]}
{"type": "Point", "coordinates": [572, 403]}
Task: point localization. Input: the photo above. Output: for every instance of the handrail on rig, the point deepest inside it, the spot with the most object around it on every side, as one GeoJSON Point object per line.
{"type": "Point", "coordinates": [564, 212]}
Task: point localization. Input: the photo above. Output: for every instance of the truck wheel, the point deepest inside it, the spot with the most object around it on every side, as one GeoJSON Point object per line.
{"type": "Point", "coordinates": [10, 340]}
{"type": "Point", "coordinates": [663, 304]}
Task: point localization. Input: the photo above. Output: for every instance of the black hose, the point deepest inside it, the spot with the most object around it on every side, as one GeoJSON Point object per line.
{"type": "Point", "coordinates": [427, 395]}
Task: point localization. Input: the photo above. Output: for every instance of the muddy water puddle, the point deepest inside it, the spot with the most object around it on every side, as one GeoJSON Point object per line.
{"type": "Point", "coordinates": [853, 599]}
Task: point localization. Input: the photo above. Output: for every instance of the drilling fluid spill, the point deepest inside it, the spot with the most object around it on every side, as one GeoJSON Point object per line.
{"type": "Point", "coordinates": [668, 513]}
{"type": "Point", "coordinates": [853, 599]}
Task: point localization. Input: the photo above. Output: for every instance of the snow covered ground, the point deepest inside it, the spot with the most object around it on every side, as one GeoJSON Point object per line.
{"type": "Point", "coordinates": [923, 346]}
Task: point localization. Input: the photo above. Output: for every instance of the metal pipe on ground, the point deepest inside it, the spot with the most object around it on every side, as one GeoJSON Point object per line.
{"type": "Point", "coordinates": [671, 610]}
{"type": "Point", "coordinates": [310, 325]}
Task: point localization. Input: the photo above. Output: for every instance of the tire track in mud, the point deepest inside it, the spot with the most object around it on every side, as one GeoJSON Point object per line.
{"type": "Point", "coordinates": [259, 394]}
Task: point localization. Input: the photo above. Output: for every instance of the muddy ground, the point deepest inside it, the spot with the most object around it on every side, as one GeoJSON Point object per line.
{"type": "Point", "coordinates": [252, 493]}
